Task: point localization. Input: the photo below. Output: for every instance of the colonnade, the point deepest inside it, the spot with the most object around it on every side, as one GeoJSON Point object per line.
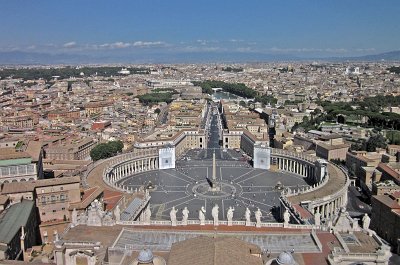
{"type": "Point", "coordinates": [302, 168]}
{"type": "Point", "coordinates": [327, 205]}
{"type": "Point", "coordinates": [130, 167]}
{"type": "Point", "coordinates": [329, 208]}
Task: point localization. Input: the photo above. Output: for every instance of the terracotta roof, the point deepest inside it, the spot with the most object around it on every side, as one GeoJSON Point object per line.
{"type": "Point", "coordinates": [3, 199]}
{"type": "Point", "coordinates": [332, 147]}
{"type": "Point", "coordinates": [205, 250]}
{"type": "Point", "coordinates": [29, 186]}
{"type": "Point", "coordinates": [111, 199]}
{"type": "Point", "coordinates": [34, 149]}
{"type": "Point", "coordinates": [389, 170]}
{"type": "Point", "coordinates": [88, 197]}
{"type": "Point", "coordinates": [387, 200]}
{"type": "Point", "coordinates": [10, 153]}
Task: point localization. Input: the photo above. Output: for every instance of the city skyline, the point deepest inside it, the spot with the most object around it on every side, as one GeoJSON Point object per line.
{"type": "Point", "coordinates": [168, 30]}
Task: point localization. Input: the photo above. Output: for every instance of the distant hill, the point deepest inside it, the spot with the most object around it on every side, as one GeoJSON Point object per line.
{"type": "Point", "coordinates": [32, 58]}
{"type": "Point", "coordinates": [386, 56]}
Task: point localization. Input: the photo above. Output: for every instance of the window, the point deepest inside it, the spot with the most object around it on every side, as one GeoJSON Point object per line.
{"type": "Point", "coordinates": [43, 199]}
{"type": "Point", "coordinates": [54, 211]}
{"type": "Point", "coordinates": [53, 198]}
{"type": "Point", "coordinates": [63, 208]}
{"type": "Point", "coordinates": [61, 188]}
{"type": "Point", "coordinates": [62, 197]}
{"type": "Point", "coordinates": [43, 213]}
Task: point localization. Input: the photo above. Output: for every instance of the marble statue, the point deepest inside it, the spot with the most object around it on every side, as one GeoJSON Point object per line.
{"type": "Point", "coordinates": [214, 213]}
{"type": "Point", "coordinates": [202, 216]}
{"type": "Point", "coordinates": [229, 215]}
{"type": "Point", "coordinates": [56, 236]}
{"type": "Point", "coordinates": [286, 217]}
{"type": "Point", "coordinates": [317, 219]}
{"type": "Point", "coordinates": [117, 213]}
{"type": "Point", "coordinates": [147, 215]}
{"type": "Point", "coordinates": [366, 221]}
{"type": "Point", "coordinates": [247, 216]}
{"type": "Point", "coordinates": [172, 215]}
{"type": "Point", "coordinates": [258, 216]}
{"type": "Point", "coordinates": [74, 217]}
{"type": "Point", "coordinates": [94, 217]}
{"type": "Point", "coordinates": [185, 215]}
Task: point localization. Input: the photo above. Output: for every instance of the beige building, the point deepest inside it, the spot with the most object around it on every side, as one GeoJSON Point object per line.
{"type": "Point", "coordinates": [17, 166]}
{"type": "Point", "coordinates": [54, 197]}
{"type": "Point", "coordinates": [24, 121]}
{"type": "Point", "coordinates": [384, 187]}
{"type": "Point", "coordinates": [356, 160]}
{"type": "Point", "coordinates": [332, 147]}
{"type": "Point", "coordinates": [71, 150]}
{"type": "Point", "coordinates": [392, 149]}
{"type": "Point", "coordinates": [385, 218]}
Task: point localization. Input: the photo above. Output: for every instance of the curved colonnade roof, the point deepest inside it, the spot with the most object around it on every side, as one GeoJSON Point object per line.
{"type": "Point", "coordinates": [337, 180]}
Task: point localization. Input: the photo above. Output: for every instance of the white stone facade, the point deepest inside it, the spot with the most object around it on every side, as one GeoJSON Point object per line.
{"type": "Point", "coordinates": [262, 157]}
{"type": "Point", "coordinates": [166, 158]}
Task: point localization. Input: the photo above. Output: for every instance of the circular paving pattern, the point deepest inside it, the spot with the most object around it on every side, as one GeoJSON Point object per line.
{"type": "Point", "coordinates": [223, 190]}
{"type": "Point", "coordinates": [240, 186]}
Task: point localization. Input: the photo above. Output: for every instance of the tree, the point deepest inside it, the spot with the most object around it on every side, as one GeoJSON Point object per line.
{"type": "Point", "coordinates": [242, 103]}
{"type": "Point", "coordinates": [157, 111]}
{"type": "Point", "coordinates": [375, 141]}
{"type": "Point", "coordinates": [106, 150]}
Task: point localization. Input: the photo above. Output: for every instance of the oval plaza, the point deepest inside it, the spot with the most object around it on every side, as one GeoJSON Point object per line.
{"type": "Point", "coordinates": [300, 184]}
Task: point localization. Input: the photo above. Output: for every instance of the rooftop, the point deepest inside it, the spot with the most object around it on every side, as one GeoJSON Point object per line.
{"type": "Point", "coordinates": [13, 218]}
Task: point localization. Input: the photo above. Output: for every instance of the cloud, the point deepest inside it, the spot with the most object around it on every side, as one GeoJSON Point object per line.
{"type": "Point", "coordinates": [120, 45]}
{"type": "Point", "coordinates": [149, 44]}
{"type": "Point", "coordinates": [70, 44]}
{"type": "Point", "coordinates": [236, 40]}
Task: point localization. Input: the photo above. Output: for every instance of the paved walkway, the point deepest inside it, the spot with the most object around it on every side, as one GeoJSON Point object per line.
{"type": "Point", "coordinates": [158, 240]}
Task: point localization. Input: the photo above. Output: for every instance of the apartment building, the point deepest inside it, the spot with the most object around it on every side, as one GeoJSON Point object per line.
{"type": "Point", "coordinates": [71, 150]}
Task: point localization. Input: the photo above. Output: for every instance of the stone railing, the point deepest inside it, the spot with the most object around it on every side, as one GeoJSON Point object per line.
{"type": "Point", "coordinates": [315, 187]}
{"type": "Point", "coordinates": [210, 222]}
{"type": "Point", "coordinates": [341, 241]}
{"type": "Point", "coordinates": [289, 154]}
{"type": "Point", "coordinates": [316, 240]}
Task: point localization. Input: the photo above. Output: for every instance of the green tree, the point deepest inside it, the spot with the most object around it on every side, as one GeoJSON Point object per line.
{"type": "Point", "coordinates": [157, 111]}
{"type": "Point", "coordinates": [106, 150]}
{"type": "Point", "coordinates": [375, 141]}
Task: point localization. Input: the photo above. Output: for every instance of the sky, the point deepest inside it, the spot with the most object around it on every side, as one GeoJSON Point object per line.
{"type": "Point", "coordinates": [297, 27]}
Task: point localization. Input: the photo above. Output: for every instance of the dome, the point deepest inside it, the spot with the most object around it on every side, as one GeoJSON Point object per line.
{"type": "Point", "coordinates": [285, 258]}
{"type": "Point", "coordinates": [145, 256]}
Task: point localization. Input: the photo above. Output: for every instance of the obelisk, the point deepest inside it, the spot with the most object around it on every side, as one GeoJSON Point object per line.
{"type": "Point", "coordinates": [214, 172]}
